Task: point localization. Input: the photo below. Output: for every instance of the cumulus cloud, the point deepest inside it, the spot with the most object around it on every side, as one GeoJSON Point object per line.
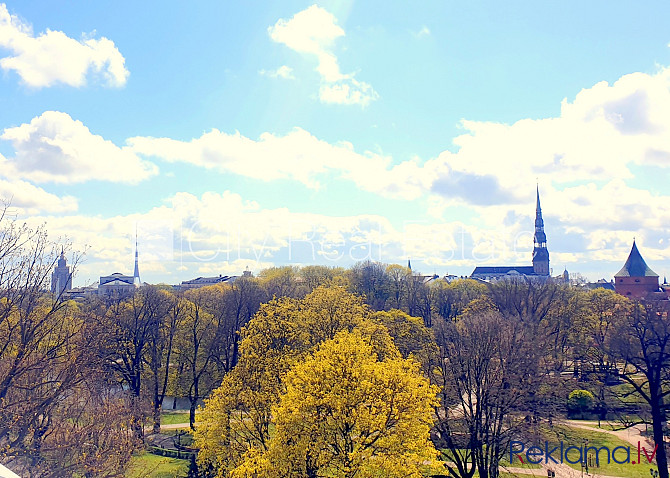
{"type": "Point", "coordinates": [313, 32]}
{"type": "Point", "coordinates": [27, 199]}
{"type": "Point", "coordinates": [52, 57]}
{"type": "Point", "coordinates": [54, 147]}
{"type": "Point", "coordinates": [283, 71]}
{"type": "Point", "coordinates": [298, 155]}
{"type": "Point", "coordinates": [225, 233]}
{"type": "Point", "coordinates": [588, 160]}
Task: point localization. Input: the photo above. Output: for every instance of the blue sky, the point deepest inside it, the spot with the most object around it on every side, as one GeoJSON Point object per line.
{"type": "Point", "coordinates": [251, 134]}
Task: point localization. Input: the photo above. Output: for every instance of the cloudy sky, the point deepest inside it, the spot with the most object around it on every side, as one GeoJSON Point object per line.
{"type": "Point", "coordinates": [258, 133]}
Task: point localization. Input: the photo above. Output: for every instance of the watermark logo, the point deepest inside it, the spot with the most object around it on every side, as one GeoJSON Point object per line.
{"type": "Point", "coordinates": [573, 455]}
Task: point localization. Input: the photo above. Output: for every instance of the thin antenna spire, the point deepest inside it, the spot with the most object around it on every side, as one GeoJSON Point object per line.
{"type": "Point", "coordinates": [136, 274]}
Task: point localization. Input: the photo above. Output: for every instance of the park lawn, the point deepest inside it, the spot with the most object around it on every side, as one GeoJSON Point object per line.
{"type": "Point", "coordinates": [147, 465]}
{"type": "Point", "coordinates": [577, 436]}
{"type": "Point", "coordinates": [172, 418]}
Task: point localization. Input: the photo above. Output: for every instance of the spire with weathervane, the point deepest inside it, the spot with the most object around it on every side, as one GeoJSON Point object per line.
{"type": "Point", "coordinates": [136, 274]}
{"type": "Point", "coordinates": [540, 252]}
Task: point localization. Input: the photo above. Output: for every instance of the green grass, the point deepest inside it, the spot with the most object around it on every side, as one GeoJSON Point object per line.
{"type": "Point", "coordinates": [154, 466]}
{"type": "Point", "coordinates": [172, 418]}
{"type": "Point", "coordinates": [186, 438]}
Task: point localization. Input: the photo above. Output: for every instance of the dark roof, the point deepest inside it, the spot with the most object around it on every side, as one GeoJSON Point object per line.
{"type": "Point", "coordinates": [207, 280]}
{"type": "Point", "coordinates": [635, 266]}
{"type": "Point", "coordinates": [525, 270]}
{"type": "Point", "coordinates": [600, 285]}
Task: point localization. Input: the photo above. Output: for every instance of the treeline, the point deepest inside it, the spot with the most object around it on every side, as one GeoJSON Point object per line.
{"type": "Point", "coordinates": [81, 381]}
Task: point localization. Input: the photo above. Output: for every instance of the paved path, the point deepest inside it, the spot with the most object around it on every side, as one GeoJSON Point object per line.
{"type": "Point", "coordinates": [174, 426]}
{"type": "Point", "coordinates": [630, 435]}
{"type": "Point", "coordinates": [562, 471]}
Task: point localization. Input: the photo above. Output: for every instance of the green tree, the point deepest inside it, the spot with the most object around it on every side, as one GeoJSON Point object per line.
{"type": "Point", "coordinates": [580, 401]}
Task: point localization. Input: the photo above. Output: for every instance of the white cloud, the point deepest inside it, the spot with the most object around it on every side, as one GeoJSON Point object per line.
{"type": "Point", "coordinates": [585, 160]}
{"type": "Point", "coordinates": [52, 57]}
{"type": "Point", "coordinates": [298, 155]}
{"type": "Point", "coordinates": [55, 148]}
{"type": "Point", "coordinates": [347, 92]}
{"type": "Point", "coordinates": [224, 233]}
{"type": "Point", "coordinates": [27, 199]}
{"type": "Point", "coordinates": [313, 32]}
{"type": "Point", "coordinates": [283, 71]}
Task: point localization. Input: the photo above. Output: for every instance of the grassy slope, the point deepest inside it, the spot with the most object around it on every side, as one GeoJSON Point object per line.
{"type": "Point", "coordinates": [154, 466]}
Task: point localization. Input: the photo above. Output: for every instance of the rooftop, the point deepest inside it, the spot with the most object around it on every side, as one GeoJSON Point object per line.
{"type": "Point", "coordinates": [635, 266]}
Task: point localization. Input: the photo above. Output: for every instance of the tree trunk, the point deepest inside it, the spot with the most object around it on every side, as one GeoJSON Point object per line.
{"type": "Point", "coordinates": [193, 397]}
{"type": "Point", "coordinates": [191, 413]}
{"type": "Point", "coordinates": [661, 457]}
{"type": "Point", "coordinates": [157, 417]}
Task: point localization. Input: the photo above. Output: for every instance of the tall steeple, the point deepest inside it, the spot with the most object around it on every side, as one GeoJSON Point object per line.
{"type": "Point", "coordinates": [540, 252]}
{"type": "Point", "coordinates": [136, 274]}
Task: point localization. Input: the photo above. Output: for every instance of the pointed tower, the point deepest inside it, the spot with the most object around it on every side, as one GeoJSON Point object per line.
{"type": "Point", "coordinates": [635, 279]}
{"type": "Point", "coordinates": [409, 264]}
{"type": "Point", "coordinates": [136, 274]}
{"type": "Point", "coordinates": [540, 252]}
{"type": "Point", "coordinates": [61, 279]}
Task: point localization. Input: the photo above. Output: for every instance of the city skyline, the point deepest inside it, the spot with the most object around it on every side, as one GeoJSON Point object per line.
{"type": "Point", "coordinates": [252, 135]}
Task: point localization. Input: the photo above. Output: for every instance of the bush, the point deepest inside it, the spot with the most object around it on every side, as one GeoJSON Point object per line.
{"type": "Point", "coordinates": [580, 401]}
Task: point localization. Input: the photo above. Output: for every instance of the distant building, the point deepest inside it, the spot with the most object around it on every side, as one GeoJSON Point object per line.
{"type": "Point", "coordinates": [600, 284]}
{"type": "Point", "coordinates": [539, 269]}
{"type": "Point", "coordinates": [636, 279]}
{"type": "Point", "coordinates": [205, 281]}
{"type": "Point", "coordinates": [61, 279]}
{"type": "Point", "coordinates": [81, 293]}
{"type": "Point", "coordinates": [116, 283]}
{"type": "Point", "coordinates": [451, 277]}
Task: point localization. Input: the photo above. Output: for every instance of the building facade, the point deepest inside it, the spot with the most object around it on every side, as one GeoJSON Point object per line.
{"type": "Point", "coordinates": [118, 283]}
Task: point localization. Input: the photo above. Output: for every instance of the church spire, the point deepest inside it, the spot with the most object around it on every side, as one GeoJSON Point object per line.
{"type": "Point", "coordinates": [540, 252]}
{"type": "Point", "coordinates": [136, 274]}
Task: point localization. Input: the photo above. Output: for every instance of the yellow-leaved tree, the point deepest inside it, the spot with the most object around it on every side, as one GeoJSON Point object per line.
{"type": "Point", "coordinates": [238, 416]}
{"type": "Point", "coordinates": [346, 413]}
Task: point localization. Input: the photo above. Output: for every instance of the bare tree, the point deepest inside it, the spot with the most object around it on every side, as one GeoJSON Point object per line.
{"type": "Point", "coordinates": [168, 313]}
{"type": "Point", "coordinates": [130, 325]}
{"type": "Point", "coordinates": [370, 280]}
{"type": "Point", "coordinates": [484, 370]}
{"type": "Point", "coordinates": [47, 361]}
